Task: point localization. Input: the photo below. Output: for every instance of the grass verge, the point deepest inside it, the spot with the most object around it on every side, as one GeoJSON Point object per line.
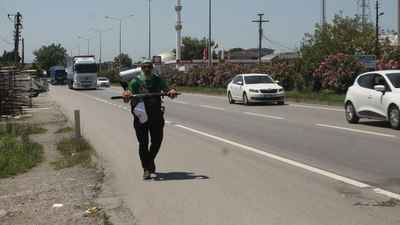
{"type": "Point", "coordinates": [323, 97]}
{"type": "Point", "coordinates": [18, 153]}
{"type": "Point", "coordinates": [70, 156]}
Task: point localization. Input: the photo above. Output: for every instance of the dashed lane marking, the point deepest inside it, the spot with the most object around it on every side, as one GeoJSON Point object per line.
{"type": "Point", "coordinates": [358, 131]}
{"type": "Point", "coordinates": [262, 115]}
{"type": "Point", "coordinates": [297, 164]}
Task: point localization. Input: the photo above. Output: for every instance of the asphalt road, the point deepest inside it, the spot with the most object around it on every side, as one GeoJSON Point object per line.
{"type": "Point", "coordinates": [235, 164]}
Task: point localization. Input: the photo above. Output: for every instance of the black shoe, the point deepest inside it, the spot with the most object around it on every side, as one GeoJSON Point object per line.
{"type": "Point", "coordinates": [152, 168]}
{"type": "Point", "coordinates": [146, 175]}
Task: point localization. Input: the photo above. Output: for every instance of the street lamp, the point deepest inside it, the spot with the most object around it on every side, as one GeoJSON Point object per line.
{"type": "Point", "coordinates": [88, 40]}
{"type": "Point", "coordinates": [100, 31]}
{"type": "Point", "coordinates": [149, 28]}
{"type": "Point", "coordinates": [377, 29]}
{"type": "Point", "coordinates": [119, 19]}
{"type": "Point", "coordinates": [209, 34]}
{"type": "Point", "coordinates": [79, 47]}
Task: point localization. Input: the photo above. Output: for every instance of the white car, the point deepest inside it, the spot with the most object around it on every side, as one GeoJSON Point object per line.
{"type": "Point", "coordinates": [103, 82]}
{"type": "Point", "coordinates": [375, 95]}
{"type": "Point", "coordinates": [253, 88]}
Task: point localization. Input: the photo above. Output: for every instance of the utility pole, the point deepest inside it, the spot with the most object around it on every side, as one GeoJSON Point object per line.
{"type": "Point", "coordinates": [377, 53]}
{"type": "Point", "coordinates": [323, 12]}
{"type": "Point", "coordinates": [18, 27]}
{"type": "Point", "coordinates": [23, 52]}
{"type": "Point", "coordinates": [260, 33]}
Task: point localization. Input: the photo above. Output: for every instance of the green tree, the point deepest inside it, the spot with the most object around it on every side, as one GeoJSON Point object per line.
{"type": "Point", "coordinates": [126, 61]}
{"type": "Point", "coordinates": [345, 35]}
{"type": "Point", "coordinates": [237, 49]}
{"type": "Point", "coordinates": [52, 55]}
{"type": "Point", "coordinates": [193, 48]}
{"type": "Point", "coordinates": [8, 58]}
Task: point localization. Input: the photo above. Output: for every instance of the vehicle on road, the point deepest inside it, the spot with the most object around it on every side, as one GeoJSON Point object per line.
{"type": "Point", "coordinates": [82, 72]}
{"type": "Point", "coordinates": [103, 82]}
{"type": "Point", "coordinates": [375, 95]}
{"type": "Point", "coordinates": [254, 88]}
{"type": "Point", "coordinates": [58, 75]}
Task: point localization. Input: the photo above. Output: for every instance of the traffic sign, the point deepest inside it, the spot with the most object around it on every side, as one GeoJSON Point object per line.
{"type": "Point", "coordinates": [157, 59]}
{"type": "Point", "coordinates": [369, 61]}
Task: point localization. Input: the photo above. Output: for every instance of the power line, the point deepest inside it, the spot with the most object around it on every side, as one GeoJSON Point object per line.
{"type": "Point", "coordinates": [280, 46]}
{"type": "Point", "coordinates": [3, 14]}
{"type": "Point", "coordinates": [5, 40]}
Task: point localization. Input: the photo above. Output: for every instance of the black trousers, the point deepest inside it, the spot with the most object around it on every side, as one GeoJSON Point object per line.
{"type": "Point", "coordinates": [143, 130]}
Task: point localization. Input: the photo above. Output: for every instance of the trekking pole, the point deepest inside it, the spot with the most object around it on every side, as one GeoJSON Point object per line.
{"type": "Point", "coordinates": [141, 96]}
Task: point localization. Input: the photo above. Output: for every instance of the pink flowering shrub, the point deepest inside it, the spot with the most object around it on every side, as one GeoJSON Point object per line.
{"type": "Point", "coordinates": [390, 59]}
{"type": "Point", "coordinates": [175, 77]}
{"type": "Point", "coordinates": [281, 71]}
{"type": "Point", "coordinates": [224, 73]}
{"type": "Point", "coordinates": [337, 73]}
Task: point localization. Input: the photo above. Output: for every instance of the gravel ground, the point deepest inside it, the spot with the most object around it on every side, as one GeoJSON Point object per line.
{"type": "Point", "coordinates": [70, 196]}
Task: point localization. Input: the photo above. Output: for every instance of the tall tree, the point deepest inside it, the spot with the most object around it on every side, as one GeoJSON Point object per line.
{"type": "Point", "coordinates": [52, 55]}
{"type": "Point", "coordinates": [345, 35]}
{"type": "Point", "coordinates": [192, 48]}
{"type": "Point", "coordinates": [8, 58]}
{"type": "Point", "coordinates": [126, 61]}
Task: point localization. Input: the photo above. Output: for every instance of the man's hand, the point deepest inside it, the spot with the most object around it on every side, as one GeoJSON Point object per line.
{"type": "Point", "coordinates": [172, 93]}
{"type": "Point", "coordinates": [126, 96]}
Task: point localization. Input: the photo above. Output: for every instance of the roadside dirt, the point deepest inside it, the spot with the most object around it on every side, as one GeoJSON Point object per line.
{"type": "Point", "coordinates": [70, 196]}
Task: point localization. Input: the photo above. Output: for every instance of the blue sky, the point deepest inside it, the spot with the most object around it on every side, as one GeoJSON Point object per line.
{"type": "Point", "coordinates": [63, 21]}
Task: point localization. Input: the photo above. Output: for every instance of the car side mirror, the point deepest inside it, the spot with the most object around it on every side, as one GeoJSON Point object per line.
{"type": "Point", "coordinates": [239, 82]}
{"type": "Point", "coordinates": [380, 88]}
{"type": "Point", "coordinates": [277, 81]}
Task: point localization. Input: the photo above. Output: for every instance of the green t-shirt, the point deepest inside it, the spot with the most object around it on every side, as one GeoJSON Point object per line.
{"type": "Point", "coordinates": [155, 85]}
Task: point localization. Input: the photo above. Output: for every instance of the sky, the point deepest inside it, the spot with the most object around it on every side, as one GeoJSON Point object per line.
{"type": "Point", "coordinates": [62, 21]}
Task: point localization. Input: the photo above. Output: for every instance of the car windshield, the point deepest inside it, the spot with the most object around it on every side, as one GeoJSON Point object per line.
{"type": "Point", "coordinates": [258, 79]}
{"type": "Point", "coordinates": [395, 79]}
{"type": "Point", "coordinates": [102, 79]}
{"type": "Point", "coordinates": [86, 68]}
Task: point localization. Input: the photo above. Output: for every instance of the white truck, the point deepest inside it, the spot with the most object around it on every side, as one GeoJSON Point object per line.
{"type": "Point", "coordinates": [82, 72]}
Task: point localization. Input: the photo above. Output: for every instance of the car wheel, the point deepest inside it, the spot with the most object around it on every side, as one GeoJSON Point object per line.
{"type": "Point", "coordinates": [245, 99]}
{"type": "Point", "coordinates": [351, 115]}
{"type": "Point", "coordinates": [230, 99]}
{"type": "Point", "coordinates": [394, 117]}
{"type": "Point", "coordinates": [281, 102]}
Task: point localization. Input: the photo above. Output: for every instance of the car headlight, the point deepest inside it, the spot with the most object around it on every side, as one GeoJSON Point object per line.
{"type": "Point", "coordinates": [280, 90]}
{"type": "Point", "coordinates": [253, 90]}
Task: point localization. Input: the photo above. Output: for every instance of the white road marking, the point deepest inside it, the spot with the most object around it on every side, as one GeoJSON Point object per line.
{"type": "Point", "coordinates": [212, 107]}
{"type": "Point", "coordinates": [262, 115]}
{"type": "Point", "coordinates": [289, 161]}
{"type": "Point", "coordinates": [181, 102]}
{"type": "Point", "coordinates": [101, 100]}
{"type": "Point", "coordinates": [297, 164]}
{"type": "Point", "coordinates": [359, 131]}
{"type": "Point", "coordinates": [317, 107]}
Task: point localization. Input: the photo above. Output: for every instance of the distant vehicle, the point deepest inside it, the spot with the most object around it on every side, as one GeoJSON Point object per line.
{"type": "Point", "coordinates": [58, 75]}
{"type": "Point", "coordinates": [103, 82]}
{"type": "Point", "coordinates": [82, 72]}
{"type": "Point", "coordinates": [375, 95]}
{"type": "Point", "coordinates": [252, 88]}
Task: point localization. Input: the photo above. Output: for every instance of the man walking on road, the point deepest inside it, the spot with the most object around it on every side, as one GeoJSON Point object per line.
{"type": "Point", "coordinates": [148, 114]}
